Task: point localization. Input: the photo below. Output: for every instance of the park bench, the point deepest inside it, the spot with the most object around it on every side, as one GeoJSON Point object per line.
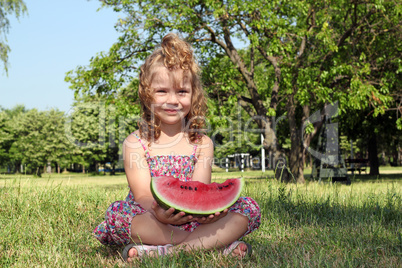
{"type": "Point", "coordinates": [357, 165]}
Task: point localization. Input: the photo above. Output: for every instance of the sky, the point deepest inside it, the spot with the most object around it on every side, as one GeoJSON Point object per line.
{"type": "Point", "coordinates": [54, 37]}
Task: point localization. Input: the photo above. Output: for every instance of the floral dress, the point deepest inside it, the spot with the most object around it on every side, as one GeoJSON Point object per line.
{"type": "Point", "coordinates": [116, 228]}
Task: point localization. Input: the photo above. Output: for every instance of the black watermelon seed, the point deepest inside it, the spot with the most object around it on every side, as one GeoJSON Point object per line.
{"type": "Point", "coordinates": [195, 188]}
{"type": "Point", "coordinates": [220, 187]}
{"type": "Point", "coordinates": [185, 187]}
{"type": "Point", "coordinates": [181, 186]}
{"type": "Point", "coordinates": [190, 188]}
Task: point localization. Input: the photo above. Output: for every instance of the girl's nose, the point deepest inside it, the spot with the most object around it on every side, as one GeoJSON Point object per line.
{"type": "Point", "coordinates": [172, 99]}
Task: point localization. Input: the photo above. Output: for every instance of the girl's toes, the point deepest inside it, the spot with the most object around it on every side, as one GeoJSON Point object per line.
{"type": "Point", "coordinates": [240, 251]}
{"type": "Point", "coordinates": [132, 254]}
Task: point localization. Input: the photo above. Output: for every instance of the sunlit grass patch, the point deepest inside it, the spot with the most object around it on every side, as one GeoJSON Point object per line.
{"type": "Point", "coordinates": [47, 222]}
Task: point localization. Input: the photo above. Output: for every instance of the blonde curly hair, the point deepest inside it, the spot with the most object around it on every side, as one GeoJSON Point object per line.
{"type": "Point", "coordinates": [173, 53]}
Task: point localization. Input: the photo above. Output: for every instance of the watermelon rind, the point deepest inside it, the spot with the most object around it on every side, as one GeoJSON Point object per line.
{"type": "Point", "coordinates": [166, 204]}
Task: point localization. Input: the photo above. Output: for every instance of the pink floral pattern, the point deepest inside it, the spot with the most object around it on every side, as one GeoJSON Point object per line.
{"type": "Point", "coordinates": [116, 228]}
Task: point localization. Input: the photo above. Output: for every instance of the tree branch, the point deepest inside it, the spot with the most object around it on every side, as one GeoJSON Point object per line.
{"type": "Point", "coordinates": [214, 39]}
{"type": "Point", "coordinates": [245, 104]}
{"type": "Point", "coordinates": [304, 39]}
{"type": "Point", "coordinates": [347, 34]}
{"type": "Point", "coordinates": [275, 90]}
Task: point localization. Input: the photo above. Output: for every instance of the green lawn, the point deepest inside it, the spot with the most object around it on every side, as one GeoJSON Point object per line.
{"type": "Point", "coordinates": [47, 222]}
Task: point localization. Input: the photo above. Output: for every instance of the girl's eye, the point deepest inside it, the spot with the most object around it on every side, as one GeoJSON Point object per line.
{"type": "Point", "coordinates": [183, 92]}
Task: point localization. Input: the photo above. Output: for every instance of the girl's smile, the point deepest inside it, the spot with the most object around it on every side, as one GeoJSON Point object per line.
{"type": "Point", "coordinates": [171, 111]}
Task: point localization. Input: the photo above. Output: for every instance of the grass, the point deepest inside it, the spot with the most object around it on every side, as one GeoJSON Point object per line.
{"type": "Point", "coordinates": [47, 222]}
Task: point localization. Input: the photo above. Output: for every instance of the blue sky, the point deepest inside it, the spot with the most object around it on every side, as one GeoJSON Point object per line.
{"type": "Point", "coordinates": [56, 36]}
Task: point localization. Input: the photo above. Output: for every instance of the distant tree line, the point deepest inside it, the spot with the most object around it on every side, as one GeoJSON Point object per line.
{"type": "Point", "coordinates": [91, 134]}
{"type": "Point", "coordinates": [32, 141]}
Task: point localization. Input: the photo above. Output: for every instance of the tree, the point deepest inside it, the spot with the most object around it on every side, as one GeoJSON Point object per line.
{"type": "Point", "coordinates": [56, 146]}
{"type": "Point", "coordinates": [33, 139]}
{"type": "Point", "coordinates": [370, 46]}
{"type": "Point", "coordinates": [378, 136]}
{"type": "Point", "coordinates": [307, 48]}
{"type": "Point", "coordinates": [7, 8]}
{"type": "Point", "coordinates": [39, 140]}
{"type": "Point", "coordinates": [98, 124]}
{"type": "Point", "coordinates": [85, 131]}
{"type": "Point", "coordinates": [229, 126]}
{"type": "Point", "coordinates": [29, 145]}
{"type": "Point", "coordinates": [8, 136]}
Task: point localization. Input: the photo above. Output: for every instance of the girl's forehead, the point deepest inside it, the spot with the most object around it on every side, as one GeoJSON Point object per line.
{"type": "Point", "coordinates": [177, 78]}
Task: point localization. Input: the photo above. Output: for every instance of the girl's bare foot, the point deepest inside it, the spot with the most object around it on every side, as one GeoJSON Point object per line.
{"type": "Point", "coordinates": [132, 251]}
{"type": "Point", "coordinates": [238, 249]}
{"type": "Point", "coordinates": [132, 254]}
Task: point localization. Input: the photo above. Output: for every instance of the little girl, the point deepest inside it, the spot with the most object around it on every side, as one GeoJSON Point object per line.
{"type": "Point", "coordinates": [170, 142]}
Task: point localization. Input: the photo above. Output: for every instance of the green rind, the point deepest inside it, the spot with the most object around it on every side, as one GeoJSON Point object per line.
{"type": "Point", "coordinates": [166, 204]}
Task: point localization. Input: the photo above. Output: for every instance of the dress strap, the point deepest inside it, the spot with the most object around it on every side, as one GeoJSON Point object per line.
{"type": "Point", "coordinates": [143, 145]}
{"type": "Point", "coordinates": [194, 150]}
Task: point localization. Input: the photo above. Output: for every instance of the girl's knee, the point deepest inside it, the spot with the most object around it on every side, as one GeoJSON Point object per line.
{"type": "Point", "coordinates": [246, 206]}
{"type": "Point", "coordinates": [242, 220]}
{"type": "Point", "coordinates": [249, 208]}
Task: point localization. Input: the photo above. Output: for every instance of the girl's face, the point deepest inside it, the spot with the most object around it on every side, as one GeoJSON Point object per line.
{"type": "Point", "coordinates": [172, 95]}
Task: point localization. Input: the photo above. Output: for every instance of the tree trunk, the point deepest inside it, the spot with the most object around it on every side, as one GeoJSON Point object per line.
{"type": "Point", "coordinates": [396, 157]}
{"type": "Point", "coordinates": [113, 172]}
{"type": "Point", "coordinates": [38, 172]}
{"type": "Point", "coordinates": [296, 159]}
{"type": "Point", "coordinates": [17, 167]}
{"type": "Point", "coordinates": [270, 141]}
{"type": "Point", "coordinates": [372, 154]}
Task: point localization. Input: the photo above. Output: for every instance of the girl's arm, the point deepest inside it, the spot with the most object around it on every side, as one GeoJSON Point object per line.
{"type": "Point", "coordinates": [205, 156]}
{"type": "Point", "coordinates": [139, 181]}
{"type": "Point", "coordinates": [137, 171]}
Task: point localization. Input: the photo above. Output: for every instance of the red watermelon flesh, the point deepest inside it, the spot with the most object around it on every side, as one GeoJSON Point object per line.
{"type": "Point", "coordinates": [193, 197]}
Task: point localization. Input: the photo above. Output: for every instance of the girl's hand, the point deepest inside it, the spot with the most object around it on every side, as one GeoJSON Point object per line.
{"type": "Point", "coordinates": [213, 217]}
{"type": "Point", "coordinates": [168, 216]}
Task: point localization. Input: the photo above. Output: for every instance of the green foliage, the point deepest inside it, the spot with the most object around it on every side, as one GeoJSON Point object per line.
{"type": "Point", "coordinates": [270, 57]}
{"type": "Point", "coordinates": [6, 137]}
{"type": "Point", "coordinates": [399, 123]}
{"type": "Point", "coordinates": [38, 139]}
{"type": "Point", "coordinates": [90, 135]}
{"type": "Point", "coordinates": [98, 125]}
{"type": "Point", "coordinates": [309, 128]}
{"type": "Point", "coordinates": [33, 139]}
{"type": "Point", "coordinates": [87, 130]}
{"type": "Point", "coordinates": [8, 8]}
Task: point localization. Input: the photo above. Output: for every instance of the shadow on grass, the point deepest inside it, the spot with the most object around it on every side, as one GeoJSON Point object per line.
{"type": "Point", "coordinates": [379, 178]}
{"type": "Point", "coordinates": [363, 218]}
{"type": "Point", "coordinates": [331, 227]}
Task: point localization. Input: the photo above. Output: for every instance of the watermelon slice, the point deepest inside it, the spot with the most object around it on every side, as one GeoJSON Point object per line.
{"type": "Point", "coordinates": [193, 197]}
